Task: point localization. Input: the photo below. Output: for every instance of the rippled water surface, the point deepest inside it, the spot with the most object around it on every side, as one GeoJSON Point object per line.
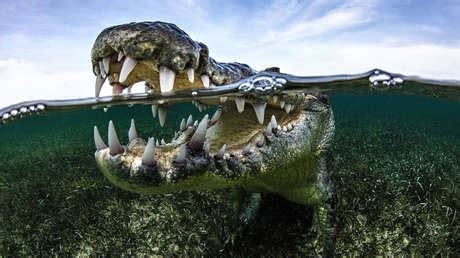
{"type": "Point", "coordinates": [395, 162]}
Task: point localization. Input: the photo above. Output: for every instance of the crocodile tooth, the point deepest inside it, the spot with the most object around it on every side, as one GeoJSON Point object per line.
{"type": "Point", "coordinates": [282, 103]}
{"type": "Point", "coordinates": [162, 115]}
{"type": "Point", "coordinates": [195, 124]}
{"type": "Point", "coordinates": [275, 98]}
{"type": "Point", "coordinates": [246, 150]}
{"type": "Point", "coordinates": [198, 138]}
{"type": "Point", "coordinates": [100, 144]}
{"type": "Point", "coordinates": [162, 142]}
{"type": "Point", "coordinates": [191, 75]}
{"type": "Point", "coordinates": [126, 68]}
{"type": "Point", "coordinates": [189, 120]}
{"type": "Point", "coordinates": [216, 116]}
{"type": "Point", "coordinates": [287, 108]}
{"type": "Point", "coordinates": [101, 68]}
{"type": "Point", "coordinates": [132, 133]}
{"type": "Point", "coordinates": [205, 80]}
{"type": "Point", "coordinates": [114, 144]}
{"type": "Point", "coordinates": [106, 64]}
{"type": "Point", "coordinates": [260, 141]}
{"type": "Point", "coordinates": [167, 77]}
{"type": "Point", "coordinates": [221, 152]}
{"type": "Point", "coordinates": [148, 157]}
{"type": "Point", "coordinates": [120, 56]}
{"type": "Point", "coordinates": [223, 99]}
{"type": "Point", "coordinates": [206, 146]}
{"type": "Point", "coordinates": [268, 130]}
{"type": "Point", "coordinates": [154, 110]}
{"type": "Point", "coordinates": [181, 154]}
{"type": "Point", "coordinates": [239, 101]}
{"type": "Point", "coordinates": [157, 143]}
{"type": "Point", "coordinates": [289, 127]}
{"type": "Point", "coordinates": [259, 109]}
{"type": "Point", "coordinates": [99, 82]}
{"type": "Point", "coordinates": [284, 128]}
{"type": "Point", "coordinates": [182, 124]}
{"type": "Point", "coordinates": [273, 122]}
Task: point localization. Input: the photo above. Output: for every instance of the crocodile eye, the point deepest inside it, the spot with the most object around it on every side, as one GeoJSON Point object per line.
{"type": "Point", "coordinates": [134, 43]}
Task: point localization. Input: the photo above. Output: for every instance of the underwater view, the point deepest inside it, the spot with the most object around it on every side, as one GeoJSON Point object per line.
{"type": "Point", "coordinates": [394, 160]}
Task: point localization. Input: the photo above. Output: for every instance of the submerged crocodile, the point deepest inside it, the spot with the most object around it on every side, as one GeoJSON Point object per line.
{"type": "Point", "coordinates": [258, 143]}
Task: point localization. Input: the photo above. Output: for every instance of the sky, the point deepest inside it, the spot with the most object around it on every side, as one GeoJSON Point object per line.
{"type": "Point", "coordinates": [45, 45]}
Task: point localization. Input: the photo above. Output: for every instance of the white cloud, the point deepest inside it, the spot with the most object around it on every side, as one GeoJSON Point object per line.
{"type": "Point", "coordinates": [25, 80]}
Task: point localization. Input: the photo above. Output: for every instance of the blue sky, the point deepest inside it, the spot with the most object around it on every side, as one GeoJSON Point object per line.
{"type": "Point", "coordinates": [45, 45]}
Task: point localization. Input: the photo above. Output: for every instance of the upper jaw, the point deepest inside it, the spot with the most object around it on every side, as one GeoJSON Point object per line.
{"type": "Point", "coordinates": [154, 52]}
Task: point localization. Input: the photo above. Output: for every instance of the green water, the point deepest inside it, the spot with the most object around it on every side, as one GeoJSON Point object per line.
{"type": "Point", "coordinates": [395, 163]}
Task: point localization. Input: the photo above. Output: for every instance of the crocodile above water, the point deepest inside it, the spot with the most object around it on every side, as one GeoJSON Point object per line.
{"type": "Point", "coordinates": [268, 135]}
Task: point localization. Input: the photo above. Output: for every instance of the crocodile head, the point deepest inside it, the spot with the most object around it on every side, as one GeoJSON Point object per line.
{"type": "Point", "coordinates": [263, 143]}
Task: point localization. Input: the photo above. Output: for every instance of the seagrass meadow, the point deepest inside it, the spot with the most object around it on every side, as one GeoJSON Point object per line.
{"type": "Point", "coordinates": [395, 163]}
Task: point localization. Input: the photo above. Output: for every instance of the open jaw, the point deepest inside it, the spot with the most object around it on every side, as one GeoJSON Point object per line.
{"type": "Point", "coordinates": [271, 147]}
{"type": "Point", "coordinates": [159, 54]}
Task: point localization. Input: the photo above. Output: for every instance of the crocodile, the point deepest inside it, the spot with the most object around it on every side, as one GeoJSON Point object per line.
{"type": "Point", "coordinates": [255, 144]}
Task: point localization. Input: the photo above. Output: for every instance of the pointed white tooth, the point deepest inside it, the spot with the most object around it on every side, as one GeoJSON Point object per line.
{"type": "Point", "coordinates": [167, 77]}
{"type": "Point", "coordinates": [247, 149]}
{"type": "Point", "coordinates": [289, 127]}
{"type": "Point", "coordinates": [195, 124]}
{"type": "Point", "coordinates": [205, 80]}
{"type": "Point", "coordinates": [148, 158]}
{"type": "Point", "coordinates": [223, 99]}
{"type": "Point", "coordinates": [282, 103]}
{"type": "Point", "coordinates": [259, 108]}
{"type": "Point", "coordinates": [157, 143]}
{"type": "Point", "coordinates": [100, 144]}
{"type": "Point", "coordinates": [273, 122]}
{"type": "Point", "coordinates": [260, 142]}
{"type": "Point", "coordinates": [191, 75]}
{"type": "Point", "coordinates": [114, 144]}
{"type": "Point", "coordinates": [268, 130]}
{"type": "Point", "coordinates": [206, 146]}
{"type": "Point", "coordinates": [216, 115]}
{"type": "Point", "coordinates": [102, 69]}
{"type": "Point", "coordinates": [221, 152]}
{"type": "Point", "coordinates": [120, 56]}
{"type": "Point", "coordinates": [189, 121]}
{"type": "Point", "coordinates": [99, 82]}
{"type": "Point", "coordinates": [275, 98]}
{"type": "Point", "coordinates": [162, 115]}
{"type": "Point", "coordinates": [181, 153]}
{"type": "Point", "coordinates": [162, 142]}
{"type": "Point", "coordinates": [287, 108]}
{"type": "Point", "coordinates": [132, 133]}
{"type": "Point", "coordinates": [106, 64]}
{"type": "Point", "coordinates": [239, 101]}
{"type": "Point", "coordinates": [182, 124]}
{"type": "Point", "coordinates": [198, 138]}
{"type": "Point", "coordinates": [284, 128]}
{"type": "Point", "coordinates": [154, 110]}
{"type": "Point", "coordinates": [126, 68]}
{"type": "Point", "coordinates": [200, 107]}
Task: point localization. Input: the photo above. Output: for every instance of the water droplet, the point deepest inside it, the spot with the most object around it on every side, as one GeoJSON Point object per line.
{"type": "Point", "coordinates": [14, 112]}
{"type": "Point", "coordinates": [32, 108]}
{"type": "Point", "coordinates": [5, 116]}
{"type": "Point", "coordinates": [41, 107]}
{"type": "Point", "coordinates": [194, 93]}
{"type": "Point", "coordinates": [106, 109]}
{"type": "Point", "coordinates": [23, 110]}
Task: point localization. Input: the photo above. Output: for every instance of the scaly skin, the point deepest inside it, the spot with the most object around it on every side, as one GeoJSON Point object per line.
{"type": "Point", "coordinates": [282, 155]}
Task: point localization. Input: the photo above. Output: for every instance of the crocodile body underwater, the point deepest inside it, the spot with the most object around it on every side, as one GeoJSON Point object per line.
{"type": "Point", "coordinates": [257, 143]}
